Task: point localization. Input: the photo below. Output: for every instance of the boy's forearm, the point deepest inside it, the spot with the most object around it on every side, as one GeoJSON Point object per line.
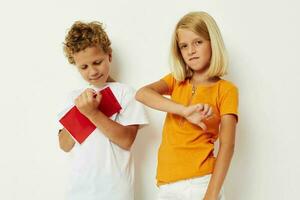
{"type": "Point", "coordinates": [157, 101]}
{"type": "Point", "coordinates": [66, 142]}
{"type": "Point", "coordinates": [123, 136]}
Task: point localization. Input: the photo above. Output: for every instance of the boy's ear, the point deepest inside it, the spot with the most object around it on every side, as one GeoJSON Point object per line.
{"type": "Point", "coordinates": [110, 56]}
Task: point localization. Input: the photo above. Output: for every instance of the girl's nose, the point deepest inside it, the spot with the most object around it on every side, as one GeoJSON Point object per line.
{"type": "Point", "coordinates": [191, 49]}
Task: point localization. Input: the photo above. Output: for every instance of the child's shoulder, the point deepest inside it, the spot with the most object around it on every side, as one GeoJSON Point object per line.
{"type": "Point", "coordinates": [120, 87]}
{"type": "Point", "coordinates": [121, 90]}
{"type": "Point", "coordinates": [226, 84]}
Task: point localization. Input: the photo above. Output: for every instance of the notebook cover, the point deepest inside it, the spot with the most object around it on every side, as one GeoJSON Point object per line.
{"type": "Point", "coordinates": [79, 126]}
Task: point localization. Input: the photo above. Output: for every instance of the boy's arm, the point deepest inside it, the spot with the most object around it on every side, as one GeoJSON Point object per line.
{"type": "Point", "coordinates": [87, 103]}
{"type": "Point", "coordinates": [123, 136]}
{"type": "Point", "coordinates": [66, 142]}
{"type": "Point", "coordinates": [226, 149]}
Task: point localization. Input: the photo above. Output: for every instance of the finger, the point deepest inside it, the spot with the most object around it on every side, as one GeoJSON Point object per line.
{"type": "Point", "coordinates": [205, 109]}
{"type": "Point", "coordinates": [190, 109]}
{"type": "Point", "coordinates": [203, 126]}
{"type": "Point", "coordinates": [200, 107]}
{"type": "Point", "coordinates": [98, 97]}
{"type": "Point", "coordinates": [209, 112]}
{"type": "Point", "coordinates": [84, 97]}
{"type": "Point", "coordinates": [91, 95]}
{"type": "Point", "coordinates": [89, 90]}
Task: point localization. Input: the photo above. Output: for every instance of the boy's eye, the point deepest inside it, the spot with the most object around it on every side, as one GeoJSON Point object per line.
{"type": "Point", "coordinates": [97, 62]}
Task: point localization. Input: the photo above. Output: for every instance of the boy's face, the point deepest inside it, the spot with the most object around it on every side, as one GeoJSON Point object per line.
{"type": "Point", "coordinates": [93, 65]}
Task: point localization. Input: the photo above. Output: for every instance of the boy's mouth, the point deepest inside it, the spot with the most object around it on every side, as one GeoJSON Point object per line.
{"type": "Point", "coordinates": [96, 78]}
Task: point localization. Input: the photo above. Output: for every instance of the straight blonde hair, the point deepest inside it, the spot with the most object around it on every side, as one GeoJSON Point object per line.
{"type": "Point", "coordinates": [205, 26]}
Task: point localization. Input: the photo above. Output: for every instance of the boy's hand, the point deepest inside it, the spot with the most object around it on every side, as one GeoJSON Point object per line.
{"type": "Point", "coordinates": [197, 113]}
{"type": "Point", "coordinates": [87, 102]}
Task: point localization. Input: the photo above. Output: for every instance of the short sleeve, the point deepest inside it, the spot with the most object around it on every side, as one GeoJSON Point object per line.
{"type": "Point", "coordinates": [229, 102]}
{"type": "Point", "coordinates": [132, 112]}
{"type": "Point", "coordinates": [170, 81]}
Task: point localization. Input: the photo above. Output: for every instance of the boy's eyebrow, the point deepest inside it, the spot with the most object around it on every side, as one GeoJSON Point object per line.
{"type": "Point", "coordinates": [97, 60]}
{"type": "Point", "coordinates": [82, 65]}
{"type": "Point", "coordinates": [100, 59]}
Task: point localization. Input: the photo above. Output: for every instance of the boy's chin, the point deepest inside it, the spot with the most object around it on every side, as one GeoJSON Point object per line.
{"type": "Point", "coordinates": [98, 84]}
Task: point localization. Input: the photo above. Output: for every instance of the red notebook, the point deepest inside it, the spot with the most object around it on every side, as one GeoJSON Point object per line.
{"type": "Point", "coordinates": [81, 127]}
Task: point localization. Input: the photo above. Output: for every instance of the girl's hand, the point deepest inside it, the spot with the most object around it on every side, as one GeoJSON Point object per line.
{"type": "Point", "coordinates": [197, 113]}
{"type": "Point", "coordinates": [87, 102]}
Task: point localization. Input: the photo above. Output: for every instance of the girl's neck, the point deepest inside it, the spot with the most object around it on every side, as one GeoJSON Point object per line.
{"type": "Point", "coordinates": [198, 79]}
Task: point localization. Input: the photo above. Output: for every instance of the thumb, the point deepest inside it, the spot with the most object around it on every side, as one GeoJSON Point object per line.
{"type": "Point", "coordinates": [200, 107]}
{"type": "Point", "coordinates": [98, 97]}
{"type": "Point", "coordinates": [203, 126]}
{"type": "Point", "coordinates": [189, 110]}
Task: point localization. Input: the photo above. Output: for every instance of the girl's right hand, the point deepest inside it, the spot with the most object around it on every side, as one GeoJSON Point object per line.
{"type": "Point", "coordinates": [197, 113]}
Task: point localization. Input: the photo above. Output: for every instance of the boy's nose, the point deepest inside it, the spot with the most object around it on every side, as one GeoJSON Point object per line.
{"type": "Point", "coordinates": [93, 71]}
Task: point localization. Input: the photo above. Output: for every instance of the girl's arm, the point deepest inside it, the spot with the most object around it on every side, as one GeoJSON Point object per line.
{"type": "Point", "coordinates": [152, 96]}
{"type": "Point", "coordinates": [66, 142]}
{"type": "Point", "coordinates": [226, 149]}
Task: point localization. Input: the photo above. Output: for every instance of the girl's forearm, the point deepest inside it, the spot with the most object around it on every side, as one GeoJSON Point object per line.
{"type": "Point", "coordinates": [157, 101]}
{"type": "Point", "coordinates": [220, 170]}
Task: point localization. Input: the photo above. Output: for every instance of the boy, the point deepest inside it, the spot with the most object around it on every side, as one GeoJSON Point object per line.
{"type": "Point", "coordinates": [102, 167]}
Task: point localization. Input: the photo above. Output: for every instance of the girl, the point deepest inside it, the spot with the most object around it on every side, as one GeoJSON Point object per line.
{"type": "Point", "coordinates": [187, 168]}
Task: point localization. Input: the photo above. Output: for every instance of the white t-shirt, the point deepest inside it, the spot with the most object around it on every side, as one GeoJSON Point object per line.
{"type": "Point", "coordinates": [100, 169]}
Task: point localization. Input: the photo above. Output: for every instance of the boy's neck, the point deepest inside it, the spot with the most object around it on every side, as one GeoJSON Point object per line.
{"type": "Point", "coordinates": [97, 87]}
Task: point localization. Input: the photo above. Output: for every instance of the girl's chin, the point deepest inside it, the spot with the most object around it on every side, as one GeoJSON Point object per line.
{"type": "Point", "coordinates": [198, 68]}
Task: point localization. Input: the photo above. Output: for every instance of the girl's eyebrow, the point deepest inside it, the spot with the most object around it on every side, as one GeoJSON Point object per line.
{"type": "Point", "coordinates": [195, 39]}
{"type": "Point", "coordinates": [181, 43]}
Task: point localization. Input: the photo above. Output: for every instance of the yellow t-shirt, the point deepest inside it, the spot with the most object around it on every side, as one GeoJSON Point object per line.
{"type": "Point", "coordinates": [186, 151]}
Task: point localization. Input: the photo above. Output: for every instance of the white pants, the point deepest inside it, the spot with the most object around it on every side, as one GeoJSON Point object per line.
{"type": "Point", "coordinates": [190, 189]}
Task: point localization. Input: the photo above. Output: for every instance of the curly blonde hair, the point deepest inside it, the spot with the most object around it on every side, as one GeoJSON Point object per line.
{"type": "Point", "coordinates": [83, 35]}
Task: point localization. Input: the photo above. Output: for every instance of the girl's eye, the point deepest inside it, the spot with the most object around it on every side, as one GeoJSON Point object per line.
{"type": "Point", "coordinates": [83, 67]}
{"type": "Point", "coordinates": [183, 46]}
{"type": "Point", "coordinates": [198, 42]}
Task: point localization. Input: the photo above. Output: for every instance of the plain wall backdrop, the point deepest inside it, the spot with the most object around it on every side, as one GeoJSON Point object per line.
{"type": "Point", "coordinates": [262, 38]}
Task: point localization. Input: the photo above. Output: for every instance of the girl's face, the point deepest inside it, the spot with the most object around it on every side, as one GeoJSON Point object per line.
{"type": "Point", "coordinates": [93, 65]}
{"type": "Point", "coordinates": [195, 50]}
